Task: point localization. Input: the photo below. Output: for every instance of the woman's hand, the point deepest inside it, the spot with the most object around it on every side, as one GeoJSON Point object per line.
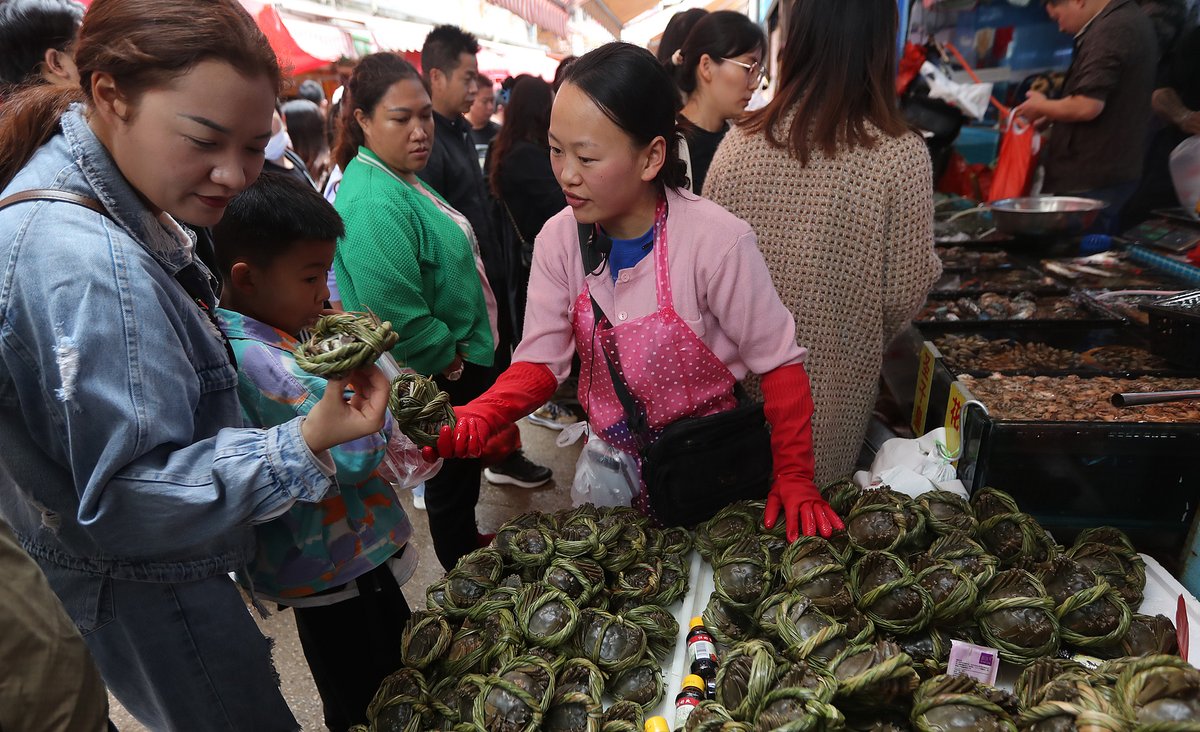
{"type": "Point", "coordinates": [804, 510]}
{"type": "Point", "coordinates": [336, 420]}
{"type": "Point", "coordinates": [465, 440]}
{"type": "Point", "coordinates": [454, 371]}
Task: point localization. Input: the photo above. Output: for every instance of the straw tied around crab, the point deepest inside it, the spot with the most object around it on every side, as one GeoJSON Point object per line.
{"type": "Point", "coordinates": [342, 343]}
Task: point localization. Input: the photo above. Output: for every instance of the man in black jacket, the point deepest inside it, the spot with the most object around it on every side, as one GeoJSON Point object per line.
{"type": "Point", "coordinates": [452, 72]}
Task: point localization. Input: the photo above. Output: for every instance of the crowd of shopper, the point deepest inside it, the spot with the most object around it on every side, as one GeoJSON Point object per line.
{"type": "Point", "coordinates": [169, 229]}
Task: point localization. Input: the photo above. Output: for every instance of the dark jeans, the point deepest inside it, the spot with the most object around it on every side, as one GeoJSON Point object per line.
{"type": "Point", "coordinates": [451, 495]}
{"type": "Point", "coordinates": [1116, 197]}
{"type": "Point", "coordinates": [351, 646]}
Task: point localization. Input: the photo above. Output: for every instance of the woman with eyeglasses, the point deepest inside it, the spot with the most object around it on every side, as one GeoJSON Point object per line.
{"type": "Point", "coordinates": [840, 193]}
{"type": "Point", "coordinates": [718, 68]}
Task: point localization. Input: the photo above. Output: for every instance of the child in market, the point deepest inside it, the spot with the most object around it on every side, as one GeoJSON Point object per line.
{"type": "Point", "coordinates": [339, 563]}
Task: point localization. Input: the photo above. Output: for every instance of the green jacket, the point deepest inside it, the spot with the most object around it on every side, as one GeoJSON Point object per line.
{"type": "Point", "coordinates": [410, 263]}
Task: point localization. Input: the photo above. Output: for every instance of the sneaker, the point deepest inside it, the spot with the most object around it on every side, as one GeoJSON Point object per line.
{"type": "Point", "coordinates": [419, 501]}
{"type": "Point", "coordinates": [554, 416]}
{"type": "Point", "coordinates": [518, 470]}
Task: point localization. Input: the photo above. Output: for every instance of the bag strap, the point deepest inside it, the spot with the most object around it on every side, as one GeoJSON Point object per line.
{"type": "Point", "coordinates": [512, 220]}
{"type": "Point", "coordinates": [50, 194]}
{"type": "Point", "coordinates": [634, 414]}
{"type": "Point", "coordinates": [193, 281]}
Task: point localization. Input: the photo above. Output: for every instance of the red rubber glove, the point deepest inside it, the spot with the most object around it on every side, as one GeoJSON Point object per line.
{"type": "Point", "coordinates": [787, 402]}
{"type": "Point", "coordinates": [522, 388]}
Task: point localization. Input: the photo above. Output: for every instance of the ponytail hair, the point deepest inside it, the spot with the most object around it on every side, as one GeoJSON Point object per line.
{"type": "Point", "coordinates": [719, 35]}
{"type": "Point", "coordinates": [634, 91]}
{"type": "Point", "coordinates": [373, 76]}
{"type": "Point", "coordinates": [143, 44]}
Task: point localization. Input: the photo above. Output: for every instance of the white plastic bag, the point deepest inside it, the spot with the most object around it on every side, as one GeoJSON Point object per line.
{"type": "Point", "coordinates": [913, 467]}
{"type": "Point", "coordinates": [972, 99]}
{"type": "Point", "coordinates": [1185, 174]}
{"type": "Point", "coordinates": [604, 475]}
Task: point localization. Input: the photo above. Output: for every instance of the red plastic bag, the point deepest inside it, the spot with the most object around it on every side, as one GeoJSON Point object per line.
{"type": "Point", "coordinates": [969, 180]}
{"type": "Point", "coordinates": [1020, 144]}
{"type": "Point", "coordinates": [910, 66]}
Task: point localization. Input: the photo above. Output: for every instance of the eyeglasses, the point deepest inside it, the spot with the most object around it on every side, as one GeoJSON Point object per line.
{"type": "Point", "coordinates": [756, 73]}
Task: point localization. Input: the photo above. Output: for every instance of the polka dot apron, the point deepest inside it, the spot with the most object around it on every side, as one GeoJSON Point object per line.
{"type": "Point", "coordinates": [667, 369]}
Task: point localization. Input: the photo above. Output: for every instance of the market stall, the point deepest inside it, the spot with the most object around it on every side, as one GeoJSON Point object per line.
{"type": "Point", "coordinates": [1019, 350]}
{"type": "Point", "coordinates": [580, 621]}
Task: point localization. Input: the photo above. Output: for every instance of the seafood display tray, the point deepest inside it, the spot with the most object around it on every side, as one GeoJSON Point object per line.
{"type": "Point", "coordinates": [974, 284]}
{"type": "Point", "coordinates": [1102, 317]}
{"type": "Point", "coordinates": [1138, 477]}
{"type": "Point", "coordinates": [1161, 598]}
{"type": "Point", "coordinates": [1066, 337]}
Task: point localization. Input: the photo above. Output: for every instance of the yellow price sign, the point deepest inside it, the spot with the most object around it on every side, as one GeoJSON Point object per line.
{"type": "Point", "coordinates": [929, 355]}
{"type": "Point", "coordinates": [955, 408]}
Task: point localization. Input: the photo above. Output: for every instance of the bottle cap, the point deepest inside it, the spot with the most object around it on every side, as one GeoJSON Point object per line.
{"type": "Point", "coordinates": [694, 681]}
{"type": "Point", "coordinates": [695, 622]}
{"type": "Point", "coordinates": [657, 724]}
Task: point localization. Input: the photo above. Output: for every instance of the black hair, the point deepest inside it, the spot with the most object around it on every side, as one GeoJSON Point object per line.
{"type": "Point", "coordinates": [373, 76]}
{"type": "Point", "coordinates": [719, 35]}
{"type": "Point", "coordinates": [676, 31]}
{"type": "Point", "coordinates": [306, 127]}
{"type": "Point", "coordinates": [526, 119]}
{"type": "Point", "coordinates": [311, 90]}
{"type": "Point", "coordinates": [442, 49]}
{"type": "Point", "coordinates": [269, 218]}
{"type": "Point", "coordinates": [561, 72]}
{"type": "Point", "coordinates": [27, 29]}
{"type": "Point", "coordinates": [634, 91]}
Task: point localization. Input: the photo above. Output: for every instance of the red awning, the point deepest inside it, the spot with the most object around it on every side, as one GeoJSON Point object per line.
{"type": "Point", "coordinates": [316, 46]}
{"type": "Point", "coordinates": [546, 14]}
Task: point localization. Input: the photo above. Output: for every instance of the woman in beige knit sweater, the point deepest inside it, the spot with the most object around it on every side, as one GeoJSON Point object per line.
{"type": "Point", "coordinates": [840, 194]}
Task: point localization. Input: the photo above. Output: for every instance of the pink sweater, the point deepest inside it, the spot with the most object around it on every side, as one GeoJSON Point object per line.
{"type": "Point", "coordinates": [720, 285]}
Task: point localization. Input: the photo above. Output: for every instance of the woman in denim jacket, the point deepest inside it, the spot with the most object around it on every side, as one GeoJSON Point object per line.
{"type": "Point", "coordinates": [125, 470]}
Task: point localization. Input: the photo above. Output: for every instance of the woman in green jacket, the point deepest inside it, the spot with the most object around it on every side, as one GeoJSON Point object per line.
{"type": "Point", "coordinates": [412, 259]}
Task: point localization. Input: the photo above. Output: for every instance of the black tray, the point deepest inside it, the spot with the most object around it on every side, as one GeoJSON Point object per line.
{"type": "Point", "coordinates": [1175, 331]}
{"type": "Point", "coordinates": [1071, 339]}
{"type": "Point", "coordinates": [974, 286]}
{"type": "Point", "coordinates": [1100, 317]}
{"type": "Point", "coordinates": [1140, 478]}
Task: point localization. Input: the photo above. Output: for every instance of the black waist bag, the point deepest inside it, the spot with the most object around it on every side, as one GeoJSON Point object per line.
{"type": "Point", "coordinates": [697, 465]}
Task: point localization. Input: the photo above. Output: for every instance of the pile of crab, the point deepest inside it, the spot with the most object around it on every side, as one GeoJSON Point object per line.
{"type": "Point", "coordinates": [560, 625]}
{"type": "Point", "coordinates": [855, 632]}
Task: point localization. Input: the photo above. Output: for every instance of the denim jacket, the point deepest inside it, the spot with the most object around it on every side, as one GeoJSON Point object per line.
{"type": "Point", "coordinates": [123, 452]}
{"type": "Point", "coordinates": [314, 547]}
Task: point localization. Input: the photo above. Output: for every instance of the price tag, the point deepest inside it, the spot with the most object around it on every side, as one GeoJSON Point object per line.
{"type": "Point", "coordinates": [929, 355]}
{"type": "Point", "coordinates": [955, 407]}
{"type": "Point", "coordinates": [977, 662]}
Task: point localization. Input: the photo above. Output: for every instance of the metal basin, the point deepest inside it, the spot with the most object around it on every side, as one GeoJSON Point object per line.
{"type": "Point", "coordinates": [1046, 215]}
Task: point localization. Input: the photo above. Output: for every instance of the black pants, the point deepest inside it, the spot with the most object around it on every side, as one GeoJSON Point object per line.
{"type": "Point", "coordinates": [451, 495]}
{"type": "Point", "coordinates": [351, 646]}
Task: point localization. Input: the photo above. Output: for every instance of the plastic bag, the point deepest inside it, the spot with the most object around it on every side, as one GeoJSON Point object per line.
{"type": "Point", "coordinates": [913, 467]}
{"type": "Point", "coordinates": [402, 464]}
{"type": "Point", "coordinates": [604, 475]}
{"type": "Point", "coordinates": [1185, 174]}
{"type": "Point", "coordinates": [1020, 144]}
{"type": "Point", "coordinates": [972, 99]}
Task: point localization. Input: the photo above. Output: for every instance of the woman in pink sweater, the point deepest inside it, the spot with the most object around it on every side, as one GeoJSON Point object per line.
{"type": "Point", "coordinates": [681, 291]}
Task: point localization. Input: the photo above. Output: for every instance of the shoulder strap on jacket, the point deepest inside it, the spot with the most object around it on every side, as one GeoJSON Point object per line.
{"type": "Point", "coordinates": [50, 194]}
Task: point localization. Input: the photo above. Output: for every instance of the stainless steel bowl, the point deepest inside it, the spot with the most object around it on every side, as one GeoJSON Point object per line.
{"type": "Point", "coordinates": [1046, 215]}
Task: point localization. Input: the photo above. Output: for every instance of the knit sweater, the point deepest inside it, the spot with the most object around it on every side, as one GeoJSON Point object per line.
{"type": "Point", "coordinates": [411, 264]}
{"type": "Point", "coordinates": [849, 243]}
